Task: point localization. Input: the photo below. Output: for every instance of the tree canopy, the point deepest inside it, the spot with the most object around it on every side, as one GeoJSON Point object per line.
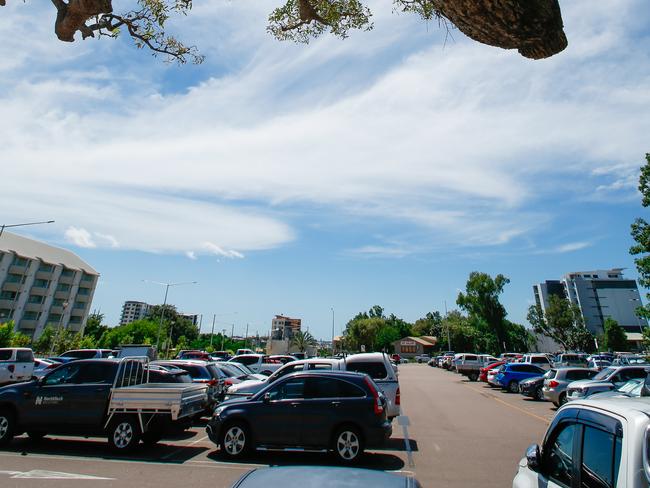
{"type": "Point", "coordinates": [533, 27]}
{"type": "Point", "coordinates": [561, 321]}
{"type": "Point", "coordinates": [614, 338]}
{"type": "Point", "coordinates": [641, 235]}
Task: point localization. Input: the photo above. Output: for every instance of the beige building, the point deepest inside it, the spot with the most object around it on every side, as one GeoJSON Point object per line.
{"type": "Point", "coordinates": [409, 347]}
{"type": "Point", "coordinates": [42, 284]}
{"type": "Point", "coordinates": [132, 311]}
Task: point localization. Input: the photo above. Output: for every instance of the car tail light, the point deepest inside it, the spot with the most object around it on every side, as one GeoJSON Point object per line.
{"type": "Point", "coordinates": [52, 366]}
{"type": "Point", "coordinates": [212, 382]}
{"type": "Point", "coordinates": [553, 384]}
{"type": "Point", "coordinates": [11, 368]}
{"type": "Point", "coordinates": [228, 382]}
{"type": "Point", "coordinates": [398, 400]}
{"type": "Point", "coordinates": [377, 406]}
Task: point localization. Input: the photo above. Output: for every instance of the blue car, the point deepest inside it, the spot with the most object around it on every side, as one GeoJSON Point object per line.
{"type": "Point", "coordinates": [512, 373]}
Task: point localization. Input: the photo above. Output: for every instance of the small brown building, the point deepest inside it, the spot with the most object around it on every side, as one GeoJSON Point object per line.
{"type": "Point", "coordinates": [409, 347]}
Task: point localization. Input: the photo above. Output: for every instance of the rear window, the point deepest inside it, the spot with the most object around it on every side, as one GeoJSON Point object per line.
{"type": "Point", "coordinates": [579, 374]}
{"type": "Point", "coordinates": [332, 388]}
{"type": "Point", "coordinates": [470, 357]}
{"type": "Point", "coordinates": [196, 372]}
{"type": "Point", "coordinates": [551, 374]}
{"type": "Point", "coordinates": [540, 360]}
{"type": "Point", "coordinates": [24, 356]}
{"type": "Point", "coordinates": [5, 354]}
{"type": "Point", "coordinates": [246, 360]}
{"type": "Point", "coordinates": [107, 354]}
{"type": "Point", "coordinates": [376, 370]}
{"type": "Point", "coordinates": [79, 354]}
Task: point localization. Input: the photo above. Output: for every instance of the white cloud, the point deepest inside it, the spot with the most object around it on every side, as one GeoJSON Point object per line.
{"type": "Point", "coordinates": [571, 247]}
{"type": "Point", "coordinates": [460, 144]}
{"type": "Point", "coordinates": [79, 237]}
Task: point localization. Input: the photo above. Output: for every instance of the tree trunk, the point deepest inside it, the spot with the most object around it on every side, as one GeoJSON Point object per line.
{"type": "Point", "coordinates": [73, 15]}
{"type": "Point", "coordinates": [533, 27]}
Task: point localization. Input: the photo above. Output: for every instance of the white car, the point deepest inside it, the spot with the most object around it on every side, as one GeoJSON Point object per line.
{"type": "Point", "coordinates": [262, 364]}
{"type": "Point", "coordinates": [16, 364]}
{"type": "Point", "coordinates": [592, 443]}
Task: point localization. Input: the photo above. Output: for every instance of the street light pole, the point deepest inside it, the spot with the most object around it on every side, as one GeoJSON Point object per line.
{"type": "Point", "coordinates": [332, 308]}
{"type": "Point", "coordinates": [6, 226]}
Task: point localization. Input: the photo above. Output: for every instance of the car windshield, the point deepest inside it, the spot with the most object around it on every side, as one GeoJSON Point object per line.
{"type": "Point", "coordinates": [605, 373]}
{"type": "Point", "coordinates": [630, 386]}
{"type": "Point", "coordinates": [636, 360]}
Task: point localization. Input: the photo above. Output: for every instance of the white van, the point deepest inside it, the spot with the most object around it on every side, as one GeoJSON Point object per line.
{"type": "Point", "coordinates": [377, 365]}
{"type": "Point", "coordinates": [16, 364]}
{"type": "Point", "coordinates": [540, 360]}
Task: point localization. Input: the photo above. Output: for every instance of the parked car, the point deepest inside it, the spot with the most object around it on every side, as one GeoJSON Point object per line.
{"type": "Point", "coordinates": [631, 389]}
{"type": "Point", "coordinates": [168, 375]}
{"type": "Point", "coordinates": [540, 360]}
{"type": "Point", "coordinates": [221, 356]}
{"type": "Point", "coordinates": [316, 476]}
{"type": "Point", "coordinates": [492, 375]}
{"type": "Point", "coordinates": [484, 371]}
{"type": "Point", "coordinates": [591, 443]}
{"type": "Point", "coordinates": [532, 387]}
{"type": "Point", "coordinates": [16, 364]}
{"type": "Point", "coordinates": [97, 397]}
{"type": "Point", "coordinates": [422, 358]}
{"type": "Point", "coordinates": [75, 354]}
{"type": "Point", "coordinates": [598, 364]}
{"type": "Point", "coordinates": [557, 380]}
{"type": "Point", "coordinates": [43, 366]}
{"type": "Point", "coordinates": [259, 363]}
{"type": "Point", "coordinates": [338, 411]}
{"type": "Point", "coordinates": [376, 365]}
{"type": "Point", "coordinates": [570, 360]}
{"type": "Point", "coordinates": [512, 373]}
{"type": "Point", "coordinates": [199, 355]}
{"type": "Point", "coordinates": [470, 364]}
{"type": "Point", "coordinates": [629, 360]}
{"type": "Point", "coordinates": [60, 360]}
{"type": "Point", "coordinates": [607, 379]}
{"type": "Point", "coordinates": [204, 373]}
{"type": "Point", "coordinates": [245, 370]}
{"type": "Point", "coordinates": [510, 356]}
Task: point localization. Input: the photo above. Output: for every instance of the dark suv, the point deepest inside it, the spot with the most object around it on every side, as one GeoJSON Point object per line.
{"type": "Point", "coordinates": [338, 411]}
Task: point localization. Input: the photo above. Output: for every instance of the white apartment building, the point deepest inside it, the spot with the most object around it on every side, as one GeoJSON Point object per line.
{"type": "Point", "coordinates": [599, 294]}
{"type": "Point", "coordinates": [132, 311]}
{"type": "Point", "coordinates": [43, 285]}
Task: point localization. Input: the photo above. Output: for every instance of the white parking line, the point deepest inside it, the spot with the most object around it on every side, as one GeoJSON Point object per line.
{"type": "Point", "coordinates": [185, 446]}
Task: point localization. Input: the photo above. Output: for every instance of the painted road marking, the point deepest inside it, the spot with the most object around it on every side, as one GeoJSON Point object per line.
{"type": "Point", "coordinates": [50, 475]}
{"type": "Point", "coordinates": [489, 395]}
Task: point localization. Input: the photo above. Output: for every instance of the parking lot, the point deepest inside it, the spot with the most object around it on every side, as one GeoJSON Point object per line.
{"type": "Point", "coordinates": [462, 433]}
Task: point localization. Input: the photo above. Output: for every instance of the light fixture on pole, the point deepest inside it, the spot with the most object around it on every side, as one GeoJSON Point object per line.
{"type": "Point", "coordinates": [162, 311]}
{"type": "Point", "coordinates": [6, 226]}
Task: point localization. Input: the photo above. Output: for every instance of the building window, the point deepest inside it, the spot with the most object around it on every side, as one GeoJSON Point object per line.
{"type": "Point", "coordinates": [63, 287]}
{"type": "Point", "coordinates": [45, 267]}
{"type": "Point", "coordinates": [41, 283]}
{"type": "Point", "coordinates": [36, 299]}
{"type": "Point", "coordinates": [31, 315]}
{"type": "Point", "coordinates": [8, 295]}
{"type": "Point", "coordinates": [79, 305]}
{"type": "Point", "coordinates": [18, 261]}
{"type": "Point", "coordinates": [54, 317]}
{"type": "Point", "coordinates": [86, 277]}
{"type": "Point", "coordinates": [75, 319]}
{"type": "Point", "coordinates": [14, 278]}
{"type": "Point", "coordinates": [84, 291]}
{"type": "Point", "coordinates": [67, 272]}
{"type": "Point", "coordinates": [6, 313]}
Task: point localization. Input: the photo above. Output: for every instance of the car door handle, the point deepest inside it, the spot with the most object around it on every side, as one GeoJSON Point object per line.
{"type": "Point", "coordinates": [295, 404]}
{"type": "Point", "coordinates": [336, 404]}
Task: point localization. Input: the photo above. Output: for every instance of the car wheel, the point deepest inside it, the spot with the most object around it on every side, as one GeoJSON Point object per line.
{"type": "Point", "coordinates": [539, 394]}
{"type": "Point", "coordinates": [124, 433]}
{"type": "Point", "coordinates": [348, 445]}
{"type": "Point", "coordinates": [235, 440]}
{"type": "Point", "coordinates": [513, 386]}
{"type": "Point", "coordinates": [7, 427]}
{"type": "Point", "coordinates": [473, 377]}
{"type": "Point", "coordinates": [562, 399]}
{"type": "Point", "coordinates": [36, 436]}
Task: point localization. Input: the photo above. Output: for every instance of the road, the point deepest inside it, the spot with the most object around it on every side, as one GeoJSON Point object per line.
{"type": "Point", "coordinates": [461, 434]}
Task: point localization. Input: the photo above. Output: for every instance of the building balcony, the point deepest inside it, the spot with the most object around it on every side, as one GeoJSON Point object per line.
{"type": "Point", "coordinates": [38, 290]}
{"type": "Point", "coordinates": [7, 304]}
{"type": "Point", "coordinates": [15, 269]}
{"type": "Point", "coordinates": [28, 324]}
{"type": "Point", "coordinates": [11, 286]}
{"type": "Point", "coordinates": [67, 280]}
{"type": "Point", "coordinates": [81, 298]}
{"type": "Point", "coordinates": [33, 307]}
{"type": "Point", "coordinates": [43, 275]}
{"type": "Point", "coordinates": [62, 295]}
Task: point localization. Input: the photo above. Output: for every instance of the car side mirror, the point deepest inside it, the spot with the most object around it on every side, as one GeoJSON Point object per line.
{"type": "Point", "coordinates": [267, 397]}
{"type": "Point", "coordinates": [533, 457]}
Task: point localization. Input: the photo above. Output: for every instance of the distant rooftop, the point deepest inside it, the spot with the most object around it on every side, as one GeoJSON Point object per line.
{"type": "Point", "coordinates": [32, 249]}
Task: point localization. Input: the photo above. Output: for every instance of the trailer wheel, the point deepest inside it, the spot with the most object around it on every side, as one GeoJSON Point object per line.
{"type": "Point", "coordinates": [7, 427]}
{"type": "Point", "coordinates": [124, 433]}
{"type": "Point", "coordinates": [473, 376]}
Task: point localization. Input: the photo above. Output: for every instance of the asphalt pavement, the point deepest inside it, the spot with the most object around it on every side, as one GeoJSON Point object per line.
{"type": "Point", "coordinates": [460, 434]}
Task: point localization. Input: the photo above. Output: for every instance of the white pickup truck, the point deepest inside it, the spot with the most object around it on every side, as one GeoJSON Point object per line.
{"type": "Point", "coordinates": [598, 442]}
{"type": "Point", "coordinates": [16, 364]}
{"type": "Point", "coordinates": [262, 364]}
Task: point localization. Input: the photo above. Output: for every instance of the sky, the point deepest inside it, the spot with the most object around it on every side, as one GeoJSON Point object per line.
{"type": "Point", "coordinates": [319, 180]}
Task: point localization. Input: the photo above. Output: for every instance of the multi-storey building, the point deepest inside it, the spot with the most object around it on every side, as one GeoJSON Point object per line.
{"type": "Point", "coordinates": [43, 285]}
{"type": "Point", "coordinates": [132, 311]}
{"type": "Point", "coordinates": [599, 294]}
{"type": "Point", "coordinates": [284, 328]}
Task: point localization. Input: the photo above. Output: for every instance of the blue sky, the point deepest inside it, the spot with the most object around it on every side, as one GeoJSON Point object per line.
{"type": "Point", "coordinates": [292, 179]}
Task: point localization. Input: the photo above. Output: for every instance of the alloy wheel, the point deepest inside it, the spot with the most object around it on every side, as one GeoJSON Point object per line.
{"type": "Point", "coordinates": [4, 426]}
{"type": "Point", "coordinates": [123, 435]}
{"type": "Point", "coordinates": [234, 441]}
{"type": "Point", "coordinates": [347, 445]}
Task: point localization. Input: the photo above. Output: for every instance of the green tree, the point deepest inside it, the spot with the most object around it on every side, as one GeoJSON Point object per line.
{"type": "Point", "coordinates": [302, 340]}
{"type": "Point", "coordinates": [94, 327]}
{"type": "Point", "coordinates": [614, 337]}
{"type": "Point", "coordinates": [21, 340]}
{"type": "Point", "coordinates": [535, 31]}
{"type": "Point", "coordinates": [430, 325]}
{"type": "Point", "coordinates": [6, 333]}
{"type": "Point", "coordinates": [43, 344]}
{"type": "Point", "coordinates": [481, 300]}
{"type": "Point", "coordinates": [562, 322]}
{"type": "Point", "coordinates": [641, 235]}
{"type": "Point", "coordinates": [386, 336]}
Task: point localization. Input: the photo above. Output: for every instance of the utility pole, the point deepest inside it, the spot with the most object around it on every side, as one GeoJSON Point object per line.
{"type": "Point", "coordinates": [448, 334]}
{"type": "Point", "coordinates": [332, 308]}
{"type": "Point", "coordinates": [223, 338]}
{"type": "Point", "coordinates": [232, 331]}
{"type": "Point", "coordinates": [214, 318]}
{"type": "Point", "coordinates": [246, 336]}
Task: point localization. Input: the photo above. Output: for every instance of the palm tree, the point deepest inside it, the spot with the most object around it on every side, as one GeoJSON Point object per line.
{"type": "Point", "coordinates": [302, 340]}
